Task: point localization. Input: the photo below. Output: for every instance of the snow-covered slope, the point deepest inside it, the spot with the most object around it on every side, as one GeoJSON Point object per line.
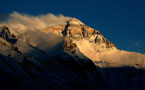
{"type": "Point", "coordinates": [66, 55]}
{"type": "Point", "coordinates": [112, 57]}
{"type": "Point", "coordinates": [101, 51]}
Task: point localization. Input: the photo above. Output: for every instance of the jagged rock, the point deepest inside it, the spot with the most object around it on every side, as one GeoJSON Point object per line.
{"type": "Point", "coordinates": [82, 62]}
{"type": "Point", "coordinates": [69, 46]}
{"type": "Point", "coordinates": [77, 31]}
{"type": "Point", "coordinates": [6, 34]}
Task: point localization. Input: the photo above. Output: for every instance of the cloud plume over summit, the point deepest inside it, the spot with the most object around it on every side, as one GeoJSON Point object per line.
{"type": "Point", "coordinates": [27, 29]}
{"type": "Point", "coordinates": [19, 23]}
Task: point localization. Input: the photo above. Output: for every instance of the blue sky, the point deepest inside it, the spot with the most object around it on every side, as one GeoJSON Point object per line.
{"type": "Point", "coordinates": [121, 21]}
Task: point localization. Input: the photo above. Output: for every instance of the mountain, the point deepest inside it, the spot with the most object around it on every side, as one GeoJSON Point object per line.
{"type": "Point", "coordinates": [79, 38]}
{"type": "Point", "coordinates": [68, 56]}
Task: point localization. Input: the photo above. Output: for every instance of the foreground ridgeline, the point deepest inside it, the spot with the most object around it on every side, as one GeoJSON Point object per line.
{"type": "Point", "coordinates": [67, 56]}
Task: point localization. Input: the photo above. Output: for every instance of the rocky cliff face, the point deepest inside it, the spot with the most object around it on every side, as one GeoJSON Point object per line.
{"type": "Point", "coordinates": [68, 56]}
{"type": "Point", "coordinates": [6, 34]}
{"type": "Point", "coordinates": [82, 39]}
{"type": "Point", "coordinates": [77, 32]}
{"type": "Point", "coordinates": [77, 35]}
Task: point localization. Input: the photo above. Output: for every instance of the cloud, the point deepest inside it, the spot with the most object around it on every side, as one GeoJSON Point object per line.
{"type": "Point", "coordinates": [28, 28]}
{"type": "Point", "coordinates": [38, 39]}
{"type": "Point", "coordinates": [19, 23]}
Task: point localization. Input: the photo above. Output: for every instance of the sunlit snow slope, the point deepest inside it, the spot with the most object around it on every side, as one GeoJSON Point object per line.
{"type": "Point", "coordinates": [79, 39]}
{"type": "Point", "coordinates": [49, 52]}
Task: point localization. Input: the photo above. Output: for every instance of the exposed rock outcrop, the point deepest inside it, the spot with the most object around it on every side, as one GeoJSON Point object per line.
{"type": "Point", "coordinates": [83, 61]}
{"type": "Point", "coordinates": [6, 34]}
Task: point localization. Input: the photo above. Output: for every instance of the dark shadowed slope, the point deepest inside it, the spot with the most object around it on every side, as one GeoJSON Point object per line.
{"type": "Point", "coordinates": [80, 59]}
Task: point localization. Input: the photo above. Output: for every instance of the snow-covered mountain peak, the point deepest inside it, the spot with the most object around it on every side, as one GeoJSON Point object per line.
{"type": "Point", "coordinates": [74, 37]}
{"type": "Point", "coordinates": [75, 21]}
{"type": "Point", "coordinates": [49, 52]}
{"type": "Point", "coordinates": [83, 35]}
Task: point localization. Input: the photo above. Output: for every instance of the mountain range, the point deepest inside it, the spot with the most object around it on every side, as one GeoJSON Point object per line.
{"type": "Point", "coordinates": [68, 55]}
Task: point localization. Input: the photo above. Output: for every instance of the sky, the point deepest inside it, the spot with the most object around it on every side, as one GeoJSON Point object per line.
{"type": "Point", "coordinates": [120, 21]}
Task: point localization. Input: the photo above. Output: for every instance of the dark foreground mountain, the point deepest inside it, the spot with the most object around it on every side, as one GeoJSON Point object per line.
{"type": "Point", "coordinates": [68, 56]}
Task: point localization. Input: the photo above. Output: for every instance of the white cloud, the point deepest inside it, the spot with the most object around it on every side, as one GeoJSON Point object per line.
{"type": "Point", "coordinates": [19, 23]}
{"type": "Point", "coordinates": [28, 28]}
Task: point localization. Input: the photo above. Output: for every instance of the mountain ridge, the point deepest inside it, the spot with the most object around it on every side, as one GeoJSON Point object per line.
{"type": "Point", "coordinates": [80, 39]}
{"type": "Point", "coordinates": [70, 56]}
